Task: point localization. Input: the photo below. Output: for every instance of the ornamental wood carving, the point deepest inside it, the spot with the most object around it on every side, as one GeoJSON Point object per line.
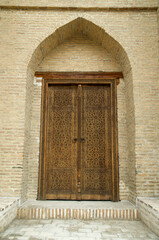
{"type": "Point", "coordinates": [78, 157]}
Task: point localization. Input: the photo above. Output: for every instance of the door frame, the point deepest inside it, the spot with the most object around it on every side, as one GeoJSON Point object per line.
{"type": "Point", "coordinates": [65, 78]}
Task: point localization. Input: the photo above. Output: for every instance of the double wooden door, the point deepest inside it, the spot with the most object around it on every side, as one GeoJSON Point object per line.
{"type": "Point", "coordinates": [78, 146]}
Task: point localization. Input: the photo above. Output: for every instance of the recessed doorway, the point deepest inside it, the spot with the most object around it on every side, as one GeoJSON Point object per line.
{"type": "Point", "coordinates": [78, 157]}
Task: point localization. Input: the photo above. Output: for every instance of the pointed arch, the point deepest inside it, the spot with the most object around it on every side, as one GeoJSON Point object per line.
{"type": "Point", "coordinates": [99, 35]}
{"type": "Point", "coordinates": [86, 27]}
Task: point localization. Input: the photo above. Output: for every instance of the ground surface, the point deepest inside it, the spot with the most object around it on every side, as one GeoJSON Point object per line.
{"type": "Point", "coordinates": [77, 229]}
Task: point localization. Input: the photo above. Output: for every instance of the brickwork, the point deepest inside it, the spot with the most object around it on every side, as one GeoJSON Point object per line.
{"type": "Point", "coordinates": [39, 40]}
{"type": "Point", "coordinates": [86, 210]}
{"type": "Point", "coordinates": [86, 214]}
{"type": "Point", "coordinates": [73, 54]}
{"type": "Point", "coordinates": [149, 213]}
{"type": "Point", "coordinates": [8, 211]}
{"type": "Point", "coordinates": [82, 3]}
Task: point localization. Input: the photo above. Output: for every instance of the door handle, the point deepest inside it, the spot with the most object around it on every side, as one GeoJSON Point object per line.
{"type": "Point", "coordinates": [75, 140]}
{"type": "Point", "coordinates": [82, 140]}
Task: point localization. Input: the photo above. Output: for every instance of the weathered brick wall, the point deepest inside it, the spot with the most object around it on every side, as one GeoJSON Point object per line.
{"type": "Point", "coordinates": [79, 54]}
{"type": "Point", "coordinates": [82, 3]}
{"type": "Point", "coordinates": [136, 52]}
{"type": "Point", "coordinates": [8, 211]}
{"type": "Point", "coordinates": [149, 213]}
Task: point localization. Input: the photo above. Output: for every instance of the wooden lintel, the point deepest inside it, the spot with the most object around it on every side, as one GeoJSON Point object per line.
{"type": "Point", "coordinates": [80, 75]}
{"type": "Point", "coordinates": [73, 8]}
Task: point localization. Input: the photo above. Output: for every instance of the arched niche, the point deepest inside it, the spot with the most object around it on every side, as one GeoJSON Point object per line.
{"type": "Point", "coordinates": [97, 35]}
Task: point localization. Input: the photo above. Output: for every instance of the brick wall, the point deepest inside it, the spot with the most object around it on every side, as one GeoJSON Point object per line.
{"type": "Point", "coordinates": [8, 211]}
{"type": "Point", "coordinates": [126, 40]}
{"type": "Point", "coordinates": [148, 212]}
{"type": "Point", "coordinates": [79, 54]}
{"type": "Point", "coordinates": [82, 3]}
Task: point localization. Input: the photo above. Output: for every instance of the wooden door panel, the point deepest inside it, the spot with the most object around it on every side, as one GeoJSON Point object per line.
{"type": "Point", "coordinates": [61, 153]}
{"type": "Point", "coordinates": [78, 157]}
{"type": "Point", "coordinates": [96, 150]}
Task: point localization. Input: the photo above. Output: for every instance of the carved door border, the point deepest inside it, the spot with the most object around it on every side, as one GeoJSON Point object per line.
{"type": "Point", "coordinates": [80, 78]}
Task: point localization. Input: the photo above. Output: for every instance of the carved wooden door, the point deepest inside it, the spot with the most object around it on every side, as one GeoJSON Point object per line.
{"type": "Point", "coordinates": [95, 167]}
{"type": "Point", "coordinates": [79, 141]}
{"type": "Point", "coordinates": [61, 152]}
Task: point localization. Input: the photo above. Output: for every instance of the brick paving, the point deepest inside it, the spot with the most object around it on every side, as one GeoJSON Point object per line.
{"type": "Point", "coordinates": [76, 230]}
{"type": "Point", "coordinates": [33, 209]}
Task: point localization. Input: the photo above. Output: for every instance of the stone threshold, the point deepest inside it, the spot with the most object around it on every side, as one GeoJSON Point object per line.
{"type": "Point", "coordinates": [86, 210]}
{"type": "Point", "coordinates": [147, 210]}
